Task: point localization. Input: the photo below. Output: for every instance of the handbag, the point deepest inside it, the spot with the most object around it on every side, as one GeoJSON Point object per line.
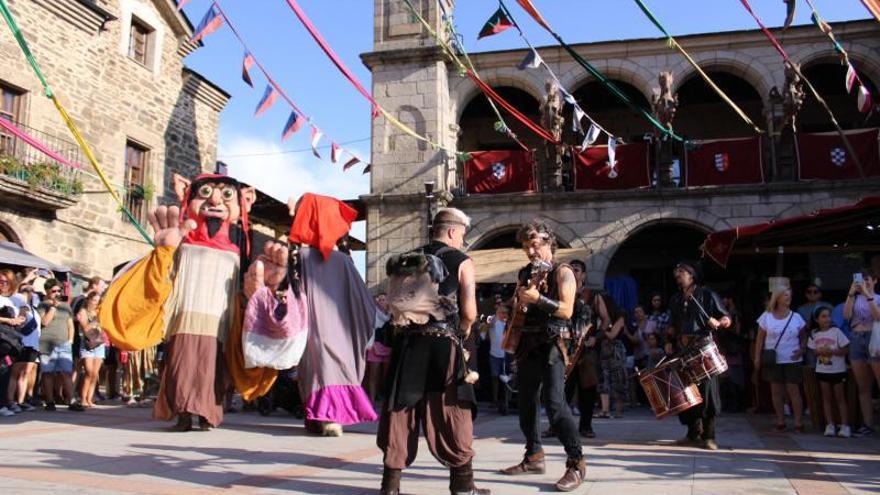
{"type": "Point", "coordinates": [768, 356]}
{"type": "Point", "coordinates": [93, 338]}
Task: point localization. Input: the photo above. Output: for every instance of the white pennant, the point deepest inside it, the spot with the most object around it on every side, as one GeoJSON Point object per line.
{"type": "Point", "coordinates": [612, 157]}
{"type": "Point", "coordinates": [576, 119]}
{"type": "Point", "coordinates": [591, 136]}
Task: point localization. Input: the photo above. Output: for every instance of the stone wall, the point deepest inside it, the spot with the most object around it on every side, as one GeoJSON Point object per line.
{"type": "Point", "coordinates": [162, 106]}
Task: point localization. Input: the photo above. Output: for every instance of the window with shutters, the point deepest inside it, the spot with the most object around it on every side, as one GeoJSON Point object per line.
{"type": "Point", "coordinates": [136, 196]}
{"type": "Point", "coordinates": [140, 43]}
{"type": "Point", "coordinates": [10, 109]}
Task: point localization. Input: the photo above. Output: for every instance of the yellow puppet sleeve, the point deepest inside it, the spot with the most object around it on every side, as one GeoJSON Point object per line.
{"type": "Point", "coordinates": [133, 309]}
{"type": "Point", "coordinates": [251, 383]}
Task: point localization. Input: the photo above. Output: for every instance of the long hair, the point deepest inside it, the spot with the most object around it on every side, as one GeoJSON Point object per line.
{"type": "Point", "coordinates": [814, 318]}
{"type": "Point", "coordinates": [775, 297]}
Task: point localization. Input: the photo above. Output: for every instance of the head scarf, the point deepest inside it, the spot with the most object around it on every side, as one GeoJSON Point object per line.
{"type": "Point", "coordinates": [320, 222]}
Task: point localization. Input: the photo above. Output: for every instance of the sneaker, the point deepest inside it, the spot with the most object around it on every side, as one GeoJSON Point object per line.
{"type": "Point", "coordinates": [26, 407]}
{"type": "Point", "coordinates": [864, 431]}
{"type": "Point", "coordinates": [15, 408]}
{"type": "Point", "coordinates": [5, 412]}
{"type": "Point", "coordinates": [36, 402]}
{"type": "Point", "coordinates": [50, 406]}
{"type": "Point", "coordinates": [76, 406]}
{"type": "Point", "coordinates": [830, 431]}
{"type": "Point", "coordinates": [844, 431]}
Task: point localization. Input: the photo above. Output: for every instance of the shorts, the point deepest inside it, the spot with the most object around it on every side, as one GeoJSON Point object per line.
{"type": "Point", "coordinates": [28, 355]}
{"type": "Point", "coordinates": [96, 353]}
{"type": "Point", "coordinates": [788, 373]}
{"type": "Point", "coordinates": [858, 348]}
{"type": "Point", "coordinates": [832, 378]}
{"type": "Point", "coordinates": [497, 366]}
{"type": "Point", "coordinates": [59, 360]}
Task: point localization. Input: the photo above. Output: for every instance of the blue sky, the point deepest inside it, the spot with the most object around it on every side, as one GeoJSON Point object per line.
{"type": "Point", "coordinates": [252, 146]}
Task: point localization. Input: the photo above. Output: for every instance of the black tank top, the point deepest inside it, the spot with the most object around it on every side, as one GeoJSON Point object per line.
{"type": "Point", "coordinates": [452, 258]}
{"type": "Point", "coordinates": [535, 317]}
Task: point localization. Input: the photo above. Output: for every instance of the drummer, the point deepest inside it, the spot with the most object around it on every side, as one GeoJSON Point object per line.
{"type": "Point", "coordinates": [694, 313]}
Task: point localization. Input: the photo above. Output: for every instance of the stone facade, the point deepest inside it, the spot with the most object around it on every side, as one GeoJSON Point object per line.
{"type": "Point", "coordinates": [161, 105]}
{"type": "Point", "coordinates": [410, 78]}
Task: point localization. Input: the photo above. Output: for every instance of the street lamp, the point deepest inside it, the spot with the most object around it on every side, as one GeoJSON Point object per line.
{"type": "Point", "coordinates": [429, 197]}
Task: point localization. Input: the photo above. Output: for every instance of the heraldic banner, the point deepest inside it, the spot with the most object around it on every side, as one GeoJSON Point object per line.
{"type": "Point", "coordinates": [823, 156]}
{"type": "Point", "coordinates": [497, 172]}
{"type": "Point", "coordinates": [627, 170]}
{"type": "Point", "coordinates": [724, 161]}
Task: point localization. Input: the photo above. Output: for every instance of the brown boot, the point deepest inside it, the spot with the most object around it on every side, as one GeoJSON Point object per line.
{"type": "Point", "coordinates": [531, 464]}
{"type": "Point", "coordinates": [461, 481]}
{"type": "Point", "coordinates": [575, 473]}
{"type": "Point", "coordinates": [184, 422]}
{"type": "Point", "coordinates": [390, 482]}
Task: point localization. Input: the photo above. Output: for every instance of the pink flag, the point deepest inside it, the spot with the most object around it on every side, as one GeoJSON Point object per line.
{"type": "Point", "coordinates": [351, 163]}
{"type": "Point", "coordinates": [266, 101]}
{"type": "Point", "coordinates": [335, 151]}
{"type": "Point", "coordinates": [294, 123]}
{"type": "Point", "coordinates": [181, 3]}
{"type": "Point", "coordinates": [210, 23]}
{"type": "Point", "coordinates": [316, 137]}
{"type": "Point", "coordinates": [851, 77]}
{"type": "Point", "coordinates": [865, 101]}
{"type": "Point", "coordinates": [246, 67]}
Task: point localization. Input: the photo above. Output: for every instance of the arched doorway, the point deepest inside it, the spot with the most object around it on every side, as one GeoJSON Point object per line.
{"type": "Point", "coordinates": [702, 114]}
{"type": "Point", "coordinates": [477, 122]}
{"type": "Point", "coordinates": [610, 112]}
{"type": "Point", "coordinates": [828, 78]}
{"type": "Point", "coordinates": [8, 235]}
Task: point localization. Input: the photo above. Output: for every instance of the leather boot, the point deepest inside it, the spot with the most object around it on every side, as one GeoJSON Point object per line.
{"type": "Point", "coordinates": [390, 482]}
{"type": "Point", "coordinates": [461, 481]}
{"type": "Point", "coordinates": [184, 422]}
{"type": "Point", "coordinates": [531, 464]}
{"type": "Point", "coordinates": [575, 473]}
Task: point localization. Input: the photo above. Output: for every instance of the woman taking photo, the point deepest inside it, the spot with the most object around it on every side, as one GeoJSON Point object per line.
{"type": "Point", "coordinates": [779, 351]}
{"type": "Point", "coordinates": [92, 348]}
{"type": "Point", "coordinates": [862, 312]}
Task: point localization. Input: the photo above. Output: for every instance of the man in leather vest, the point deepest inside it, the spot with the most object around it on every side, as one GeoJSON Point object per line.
{"type": "Point", "coordinates": [425, 387]}
{"type": "Point", "coordinates": [541, 357]}
{"type": "Point", "coordinates": [695, 312]}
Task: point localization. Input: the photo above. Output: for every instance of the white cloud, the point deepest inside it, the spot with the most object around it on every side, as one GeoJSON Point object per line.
{"type": "Point", "coordinates": [260, 163]}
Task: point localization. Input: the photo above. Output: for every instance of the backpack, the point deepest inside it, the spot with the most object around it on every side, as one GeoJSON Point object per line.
{"type": "Point", "coordinates": [413, 289]}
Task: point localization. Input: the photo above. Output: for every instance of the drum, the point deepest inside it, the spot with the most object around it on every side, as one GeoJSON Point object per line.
{"type": "Point", "coordinates": [668, 391]}
{"type": "Point", "coordinates": [703, 361]}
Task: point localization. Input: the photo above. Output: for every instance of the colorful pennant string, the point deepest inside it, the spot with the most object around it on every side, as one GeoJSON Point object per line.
{"type": "Point", "coordinates": [873, 7]}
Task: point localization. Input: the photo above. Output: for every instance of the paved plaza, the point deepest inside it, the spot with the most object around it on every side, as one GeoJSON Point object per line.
{"type": "Point", "coordinates": [120, 450]}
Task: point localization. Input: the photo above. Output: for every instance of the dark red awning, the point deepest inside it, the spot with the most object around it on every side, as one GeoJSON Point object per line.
{"type": "Point", "coordinates": [855, 224]}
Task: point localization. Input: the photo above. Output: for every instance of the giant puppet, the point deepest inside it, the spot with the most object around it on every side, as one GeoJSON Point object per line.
{"type": "Point", "coordinates": [186, 291]}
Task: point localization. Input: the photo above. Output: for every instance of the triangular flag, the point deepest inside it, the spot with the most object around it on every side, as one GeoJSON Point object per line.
{"type": "Point", "coordinates": [577, 115]}
{"type": "Point", "coordinates": [865, 101]}
{"type": "Point", "coordinates": [294, 123]}
{"type": "Point", "coordinates": [316, 136]}
{"type": "Point", "coordinates": [181, 3]}
{"type": "Point", "coordinates": [532, 61]}
{"type": "Point", "coordinates": [210, 23]}
{"type": "Point", "coordinates": [591, 136]}
{"type": "Point", "coordinates": [568, 97]}
{"type": "Point", "coordinates": [335, 151]}
{"type": "Point", "coordinates": [368, 169]}
{"type": "Point", "coordinates": [612, 158]}
{"type": "Point", "coordinates": [851, 77]}
{"type": "Point", "coordinates": [496, 24]}
{"type": "Point", "coordinates": [351, 163]}
{"type": "Point", "coordinates": [266, 101]}
{"type": "Point", "coordinates": [246, 65]}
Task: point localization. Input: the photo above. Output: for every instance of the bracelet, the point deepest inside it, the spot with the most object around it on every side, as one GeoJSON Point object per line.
{"type": "Point", "coordinates": [870, 299]}
{"type": "Point", "coordinates": [547, 305]}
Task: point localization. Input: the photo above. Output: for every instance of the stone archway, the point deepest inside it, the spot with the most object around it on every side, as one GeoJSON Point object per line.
{"type": "Point", "coordinates": [703, 114]}
{"type": "Point", "coordinates": [9, 235]}
{"type": "Point", "coordinates": [477, 121]}
{"type": "Point", "coordinates": [493, 225]}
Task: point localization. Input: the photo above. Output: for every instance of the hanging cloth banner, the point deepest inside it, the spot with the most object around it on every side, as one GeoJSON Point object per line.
{"type": "Point", "coordinates": [22, 43]}
{"type": "Point", "coordinates": [823, 155]}
{"type": "Point", "coordinates": [723, 162]}
{"type": "Point", "coordinates": [797, 70]}
{"type": "Point", "coordinates": [873, 7]}
{"type": "Point", "coordinates": [616, 91]}
{"type": "Point", "coordinates": [674, 43]}
{"type": "Point", "coordinates": [498, 172]}
{"type": "Point", "coordinates": [624, 166]}
{"type": "Point", "coordinates": [351, 163]}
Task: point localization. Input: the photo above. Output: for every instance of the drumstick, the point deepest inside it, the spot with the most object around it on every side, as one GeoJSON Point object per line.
{"type": "Point", "coordinates": [700, 307]}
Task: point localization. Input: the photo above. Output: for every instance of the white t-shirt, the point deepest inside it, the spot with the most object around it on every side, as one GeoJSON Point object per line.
{"type": "Point", "coordinates": [789, 342]}
{"type": "Point", "coordinates": [17, 301]}
{"type": "Point", "coordinates": [496, 335]}
{"type": "Point", "coordinates": [13, 303]}
{"type": "Point", "coordinates": [834, 339]}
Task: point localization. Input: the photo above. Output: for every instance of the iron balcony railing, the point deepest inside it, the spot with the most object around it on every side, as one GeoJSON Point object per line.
{"type": "Point", "coordinates": [19, 160]}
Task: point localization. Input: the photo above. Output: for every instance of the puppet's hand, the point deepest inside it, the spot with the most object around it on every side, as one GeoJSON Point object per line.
{"type": "Point", "coordinates": [166, 223]}
{"type": "Point", "coordinates": [268, 270]}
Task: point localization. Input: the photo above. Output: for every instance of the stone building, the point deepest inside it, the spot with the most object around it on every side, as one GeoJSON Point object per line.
{"type": "Point", "coordinates": [118, 68]}
{"type": "Point", "coordinates": [636, 232]}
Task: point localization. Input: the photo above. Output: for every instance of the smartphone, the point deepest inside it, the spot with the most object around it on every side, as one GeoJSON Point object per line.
{"type": "Point", "coordinates": [857, 278]}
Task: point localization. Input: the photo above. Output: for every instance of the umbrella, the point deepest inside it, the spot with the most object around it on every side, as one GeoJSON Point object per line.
{"type": "Point", "coordinates": [13, 254]}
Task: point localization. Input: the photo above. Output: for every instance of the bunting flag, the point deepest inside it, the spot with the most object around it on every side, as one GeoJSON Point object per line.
{"type": "Point", "coordinates": [351, 163]}
{"type": "Point", "coordinates": [316, 137]}
{"type": "Point", "coordinates": [674, 43]}
{"type": "Point", "coordinates": [724, 161]}
{"type": "Point", "coordinates": [576, 115]}
{"type": "Point", "coordinates": [591, 136]}
{"type": "Point", "coordinates": [865, 101]}
{"type": "Point", "coordinates": [499, 172]}
{"type": "Point", "coordinates": [246, 65]}
{"type": "Point", "coordinates": [269, 97]}
{"type": "Point", "coordinates": [532, 60]}
{"type": "Point", "coordinates": [850, 77]}
{"type": "Point", "coordinates": [623, 166]}
{"type": "Point", "coordinates": [790, 9]}
{"type": "Point", "coordinates": [368, 169]}
{"type": "Point", "coordinates": [210, 23]}
{"type": "Point", "coordinates": [824, 156]}
{"type": "Point", "coordinates": [528, 7]}
{"type": "Point", "coordinates": [180, 4]}
{"type": "Point", "coordinates": [294, 123]}
{"type": "Point", "coordinates": [873, 7]}
{"type": "Point", "coordinates": [537, 129]}
{"type": "Point", "coordinates": [335, 152]}
{"type": "Point", "coordinates": [499, 22]}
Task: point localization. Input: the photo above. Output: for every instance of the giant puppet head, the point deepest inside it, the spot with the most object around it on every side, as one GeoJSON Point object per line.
{"type": "Point", "coordinates": [219, 205]}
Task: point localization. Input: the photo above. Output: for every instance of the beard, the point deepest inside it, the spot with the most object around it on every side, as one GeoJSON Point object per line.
{"type": "Point", "coordinates": [213, 225]}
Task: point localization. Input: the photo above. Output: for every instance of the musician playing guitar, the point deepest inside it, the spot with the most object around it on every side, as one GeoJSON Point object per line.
{"type": "Point", "coordinates": [541, 357]}
{"type": "Point", "coordinates": [695, 312]}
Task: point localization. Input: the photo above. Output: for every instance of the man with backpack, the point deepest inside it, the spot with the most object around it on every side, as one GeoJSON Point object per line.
{"type": "Point", "coordinates": [432, 302]}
